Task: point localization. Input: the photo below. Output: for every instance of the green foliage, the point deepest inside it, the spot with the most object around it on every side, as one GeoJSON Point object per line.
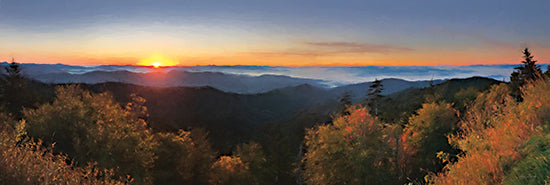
{"type": "Point", "coordinates": [93, 127]}
{"type": "Point", "coordinates": [182, 158]}
{"type": "Point", "coordinates": [426, 134]}
{"type": "Point", "coordinates": [465, 97]}
{"type": "Point", "coordinates": [535, 167]}
{"type": "Point", "coordinates": [253, 156]}
{"type": "Point", "coordinates": [353, 149]}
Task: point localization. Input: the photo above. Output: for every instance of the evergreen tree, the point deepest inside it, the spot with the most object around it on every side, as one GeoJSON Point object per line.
{"type": "Point", "coordinates": [374, 96]}
{"type": "Point", "coordinates": [12, 90]}
{"type": "Point", "coordinates": [528, 71]}
{"type": "Point", "coordinates": [345, 102]}
{"type": "Point", "coordinates": [13, 70]}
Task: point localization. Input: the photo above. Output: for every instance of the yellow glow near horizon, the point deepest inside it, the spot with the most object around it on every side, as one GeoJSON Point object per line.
{"type": "Point", "coordinates": [157, 60]}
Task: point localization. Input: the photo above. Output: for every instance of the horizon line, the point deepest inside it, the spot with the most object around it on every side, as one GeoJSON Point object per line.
{"type": "Point", "coordinates": [296, 66]}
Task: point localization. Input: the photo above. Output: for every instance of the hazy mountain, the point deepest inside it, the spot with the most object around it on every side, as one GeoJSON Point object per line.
{"type": "Point", "coordinates": [390, 85]}
{"type": "Point", "coordinates": [243, 84]}
{"type": "Point", "coordinates": [333, 76]}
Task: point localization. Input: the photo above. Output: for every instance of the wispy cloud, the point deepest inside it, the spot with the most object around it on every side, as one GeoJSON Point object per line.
{"type": "Point", "coordinates": [357, 47]}
{"type": "Point", "coordinates": [319, 49]}
{"type": "Point", "coordinates": [481, 38]}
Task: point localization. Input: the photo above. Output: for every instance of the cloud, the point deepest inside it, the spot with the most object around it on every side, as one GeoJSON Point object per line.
{"type": "Point", "coordinates": [356, 47]}
{"type": "Point", "coordinates": [319, 49]}
{"type": "Point", "coordinates": [481, 38]}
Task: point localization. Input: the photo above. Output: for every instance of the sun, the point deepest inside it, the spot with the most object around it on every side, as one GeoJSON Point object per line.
{"type": "Point", "coordinates": [158, 61]}
{"type": "Point", "coordinates": [156, 64]}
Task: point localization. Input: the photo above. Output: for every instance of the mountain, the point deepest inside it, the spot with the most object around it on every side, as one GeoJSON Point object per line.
{"type": "Point", "coordinates": [400, 105]}
{"type": "Point", "coordinates": [243, 84]}
{"type": "Point", "coordinates": [391, 85]}
{"type": "Point", "coordinates": [229, 117]}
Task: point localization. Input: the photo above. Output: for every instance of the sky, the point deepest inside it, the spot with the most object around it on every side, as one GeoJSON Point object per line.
{"type": "Point", "coordinates": [274, 33]}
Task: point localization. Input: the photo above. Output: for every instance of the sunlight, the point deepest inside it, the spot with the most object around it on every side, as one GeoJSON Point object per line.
{"type": "Point", "coordinates": [156, 64]}
{"type": "Point", "coordinates": [157, 61]}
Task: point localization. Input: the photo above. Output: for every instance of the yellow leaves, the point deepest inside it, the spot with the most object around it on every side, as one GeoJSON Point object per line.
{"type": "Point", "coordinates": [355, 149]}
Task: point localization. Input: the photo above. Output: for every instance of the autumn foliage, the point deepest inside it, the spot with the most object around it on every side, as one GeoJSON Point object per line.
{"type": "Point", "coordinates": [499, 139]}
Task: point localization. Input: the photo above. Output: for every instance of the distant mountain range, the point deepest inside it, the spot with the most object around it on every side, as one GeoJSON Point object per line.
{"type": "Point", "coordinates": [331, 76]}
{"type": "Point", "coordinates": [242, 84]}
{"type": "Point", "coordinates": [258, 79]}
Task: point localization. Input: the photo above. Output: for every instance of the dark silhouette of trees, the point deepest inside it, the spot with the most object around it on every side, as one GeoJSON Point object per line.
{"type": "Point", "coordinates": [17, 92]}
{"type": "Point", "coordinates": [345, 102]}
{"type": "Point", "coordinates": [528, 71]}
{"type": "Point", "coordinates": [11, 87]}
{"type": "Point", "coordinates": [375, 96]}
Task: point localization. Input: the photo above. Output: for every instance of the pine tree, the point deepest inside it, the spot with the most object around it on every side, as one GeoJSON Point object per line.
{"type": "Point", "coordinates": [529, 71]}
{"type": "Point", "coordinates": [13, 70]}
{"type": "Point", "coordinates": [374, 95]}
{"type": "Point", "coordinates": [345, 102]}
{"type": "Point", "coordinates": [12, 88]}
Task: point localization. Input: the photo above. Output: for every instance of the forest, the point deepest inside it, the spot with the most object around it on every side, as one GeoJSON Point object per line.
{"type": "Point", "coordinates": [461, 131]}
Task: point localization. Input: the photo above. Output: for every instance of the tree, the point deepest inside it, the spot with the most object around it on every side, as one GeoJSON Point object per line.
{"type": "Point", "coordinates": [354, 149]}
{"type": "Point", "coordinates": [13, 70]}
{"type": "Point", "coordinates": [181, 158]}
{"type": "Point", "coordinates": [427, 134]}
{"type": "Point", "coordinates": [524, 73]}
{"type": "Point", "coordinates": [253, 156]}
{"type": "Point", "coordinates": [345, 102]}
{"type": "Point", "coordinates": [93, 127]}
{"type": "Point", "coordinates": [229, 170]}
{"type": "Point", "coordinates": [506, 142]}
{"type": "Point", "coordinates": [13, 90]}
{"type": "Point", "coordinates": [374, 95]}
{"type": "Point", "coordinates": [32, 163]}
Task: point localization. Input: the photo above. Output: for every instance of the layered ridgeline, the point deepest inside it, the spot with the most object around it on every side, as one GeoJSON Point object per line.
{"type": "Point", "coordinates": [255, 79]}
{"type": "Point", "coordinates": [233, 83]}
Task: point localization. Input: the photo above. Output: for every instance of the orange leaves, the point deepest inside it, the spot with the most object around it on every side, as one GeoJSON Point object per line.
{"type": "Point", "coordinates": [496, 131]}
